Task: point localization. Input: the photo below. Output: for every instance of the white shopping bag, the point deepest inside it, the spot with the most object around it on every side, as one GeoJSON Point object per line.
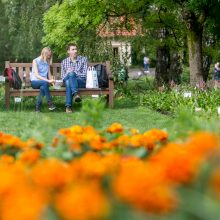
{"type": "Point", "coordinates": [92, 78]}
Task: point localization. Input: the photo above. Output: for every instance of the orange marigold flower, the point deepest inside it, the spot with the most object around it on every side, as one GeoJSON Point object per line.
{"type": "Point", "coordinates": [7, 159]}
{"type": "Point", "coordinates": [178, 164]}
{"type": "Point", "coordinates": [94, 165]}
{"type": "Point", "coordinates": [30, 156]}
{"type": "Point", "coordinates": [136, 140]}
{"type": "Point", "coordinates": [122, 141]}
{"type": "Point", "coordinates": [156, 134]}
{"type": "Point", "coordinates": [97, 142]}
{"type": "Point", "coordinates": [89, 130]}
{"type": "Point", "coordinates": [10, 141]}
{"type": "Point", "coordinates": [203, 144]}
{"type": "Point", "coordinates": [83, 201]}
{"type": "Point", "coordinates": [28, 204]}
{"type": "Point", "coordinates": [51, 173]}
{"type": "Point", "coordinates": [144, 187]}
{"type": "Point", "coordinates": [115, 128]}
{"type": "Point", "coordinates": [9, 175]}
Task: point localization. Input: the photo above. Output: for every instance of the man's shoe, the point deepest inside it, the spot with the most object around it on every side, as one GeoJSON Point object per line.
{"type": "Point", "coordinates": [37, 109]}
{"type": "Point", "coordinates": [68, 110]}
{"type": "Point", "coordinates": [51, 106]}
{"type": "Point", "coordinates": [77, 98]}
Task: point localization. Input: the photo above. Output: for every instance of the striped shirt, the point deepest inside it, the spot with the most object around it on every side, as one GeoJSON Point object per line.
{"type": "Point", "coordinates": [79, 66]}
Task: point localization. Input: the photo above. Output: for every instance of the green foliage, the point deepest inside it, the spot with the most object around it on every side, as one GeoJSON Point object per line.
{"type": "Point", "coordinates": [92, 112]}
{"type": "Point", "coordinates": [201, 103]}
{"type": "Point", "coordinates": [21, 28]}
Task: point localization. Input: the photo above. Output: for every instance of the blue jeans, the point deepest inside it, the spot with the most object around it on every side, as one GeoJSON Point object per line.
{"type": "Point", "coordinates": [44, 90]}
{"type": "Point", "coordinates": [72, 83]}
{"type": "Point", "coordinates": [146, 66]}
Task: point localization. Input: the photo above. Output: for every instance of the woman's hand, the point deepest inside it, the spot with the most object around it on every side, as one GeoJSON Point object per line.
{"type": "Point", "coordinates": [51, 81]}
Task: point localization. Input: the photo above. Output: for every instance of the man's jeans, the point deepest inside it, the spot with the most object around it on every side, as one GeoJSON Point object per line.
{"type": "Point", "coordinates": [72, 83]}
{"type": "Point", "coordinates": [146, 67]}
{"type": "Point", "coordinates": [44, 90]}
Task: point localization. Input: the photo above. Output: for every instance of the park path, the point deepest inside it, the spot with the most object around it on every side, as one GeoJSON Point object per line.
{"type": "Point", "coordinates": [135, 73]}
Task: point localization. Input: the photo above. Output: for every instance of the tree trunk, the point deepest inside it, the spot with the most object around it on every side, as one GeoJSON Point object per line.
{"type": "Point", "coordinates": [162, 65]}
{"type": "Point", "coordinates": [175, 68]}
{"type": "Point", "coordinates": [194, 39]}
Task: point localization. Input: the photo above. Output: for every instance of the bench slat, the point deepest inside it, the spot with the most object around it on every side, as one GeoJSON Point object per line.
{"type": "Point", "coordinates": [60, 92]}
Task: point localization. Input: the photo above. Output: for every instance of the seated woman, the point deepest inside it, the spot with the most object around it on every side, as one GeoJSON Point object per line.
{"type": "Point", "coordinates": [41, 77]}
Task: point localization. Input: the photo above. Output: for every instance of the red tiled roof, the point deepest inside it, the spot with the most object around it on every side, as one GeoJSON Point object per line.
{"type": "Point", "coordinates": [116, 27]}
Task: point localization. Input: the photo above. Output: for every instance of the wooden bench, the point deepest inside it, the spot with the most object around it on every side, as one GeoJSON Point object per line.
{"type": "Point", "coordinates": [24, 69]}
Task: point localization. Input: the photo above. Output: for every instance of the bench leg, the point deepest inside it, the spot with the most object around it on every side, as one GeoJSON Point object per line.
{"type": "Point", "coordinates": [111, 94]}
{"type": "Point", "coordinates": [7, 95]}
{"type": "Point", "coordinates": [111, 101]}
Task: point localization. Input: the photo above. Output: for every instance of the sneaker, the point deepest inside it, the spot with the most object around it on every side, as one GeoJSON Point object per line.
{"type": "Point", "coordinates": [51, 106]}
{"type": "Point", "coordinates": [68, 110]}
{"type": "Point", "coordinates": [77, 98]}
{"type": "Point", "coordinates": [37, 109]}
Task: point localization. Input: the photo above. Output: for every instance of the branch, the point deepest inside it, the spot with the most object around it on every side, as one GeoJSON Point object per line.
{"type": "Point", "coordinates": [170, 27]}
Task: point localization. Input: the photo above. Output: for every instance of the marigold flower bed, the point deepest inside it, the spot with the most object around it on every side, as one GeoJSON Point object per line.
{"type": "Point", "coordinates": [102, 169]}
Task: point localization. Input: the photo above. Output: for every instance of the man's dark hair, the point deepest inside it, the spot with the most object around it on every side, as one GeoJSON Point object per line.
{"type": "Point", "coordinates": [71, 45]}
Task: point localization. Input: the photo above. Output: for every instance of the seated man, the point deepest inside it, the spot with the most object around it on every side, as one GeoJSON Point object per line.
{"type": "Point", "coordinates": [73, 74]}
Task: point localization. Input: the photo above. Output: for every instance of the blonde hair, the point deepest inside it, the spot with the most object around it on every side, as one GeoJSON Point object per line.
{"type": "Point", "coordinates": [44, 53]}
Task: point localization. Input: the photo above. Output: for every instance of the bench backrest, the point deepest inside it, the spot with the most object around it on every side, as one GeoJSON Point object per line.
{"type": "Point", "coordinates": [24, 69]}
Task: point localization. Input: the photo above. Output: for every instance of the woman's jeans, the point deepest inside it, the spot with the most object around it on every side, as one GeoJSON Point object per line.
{"type": "Point", "coordinates": [44, 90]}
{"type": "Point", "coordinates": [72, 83]}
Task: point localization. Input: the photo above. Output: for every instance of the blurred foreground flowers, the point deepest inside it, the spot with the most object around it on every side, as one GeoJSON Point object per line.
{"type": "Point", "coordinates": [89, 174]}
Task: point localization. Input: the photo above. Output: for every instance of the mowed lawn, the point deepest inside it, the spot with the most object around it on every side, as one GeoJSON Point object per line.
{"type": "Point", "coordinates": [43, 126]}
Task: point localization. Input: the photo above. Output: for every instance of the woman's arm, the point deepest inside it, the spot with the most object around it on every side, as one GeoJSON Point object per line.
{"type": "Point", "coordinates": [36, 73]}
{"type": "Point", "coordinates": [50, 76]}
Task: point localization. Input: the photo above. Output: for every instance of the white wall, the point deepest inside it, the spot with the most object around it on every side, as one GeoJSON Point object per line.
{"type": "Point", "coordinates": [124, 50]}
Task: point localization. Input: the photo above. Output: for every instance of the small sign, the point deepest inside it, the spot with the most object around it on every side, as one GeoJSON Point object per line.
{"type": "Point", "coordinates": [218, 109]}
{"type": "Point", "coordinates": [95, 96]}
{"type": "Point", "coordinates": [187, 94]}
{"type": "Point", "coordinates": [198, 109]}
{"type": "Point", "coordinates": [17, 99]}
{"type": "Point", "coordinates": [2, 79]}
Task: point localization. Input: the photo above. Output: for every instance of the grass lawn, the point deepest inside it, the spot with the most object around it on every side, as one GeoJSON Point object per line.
{"type": "Point", "coordinates": [43, 126]}
{"type": "Point", "coordinates": [22, 121]}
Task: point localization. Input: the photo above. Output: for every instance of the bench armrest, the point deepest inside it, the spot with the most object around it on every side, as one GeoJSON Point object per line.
{"type": "Point", "coordinates": [108, 70]}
